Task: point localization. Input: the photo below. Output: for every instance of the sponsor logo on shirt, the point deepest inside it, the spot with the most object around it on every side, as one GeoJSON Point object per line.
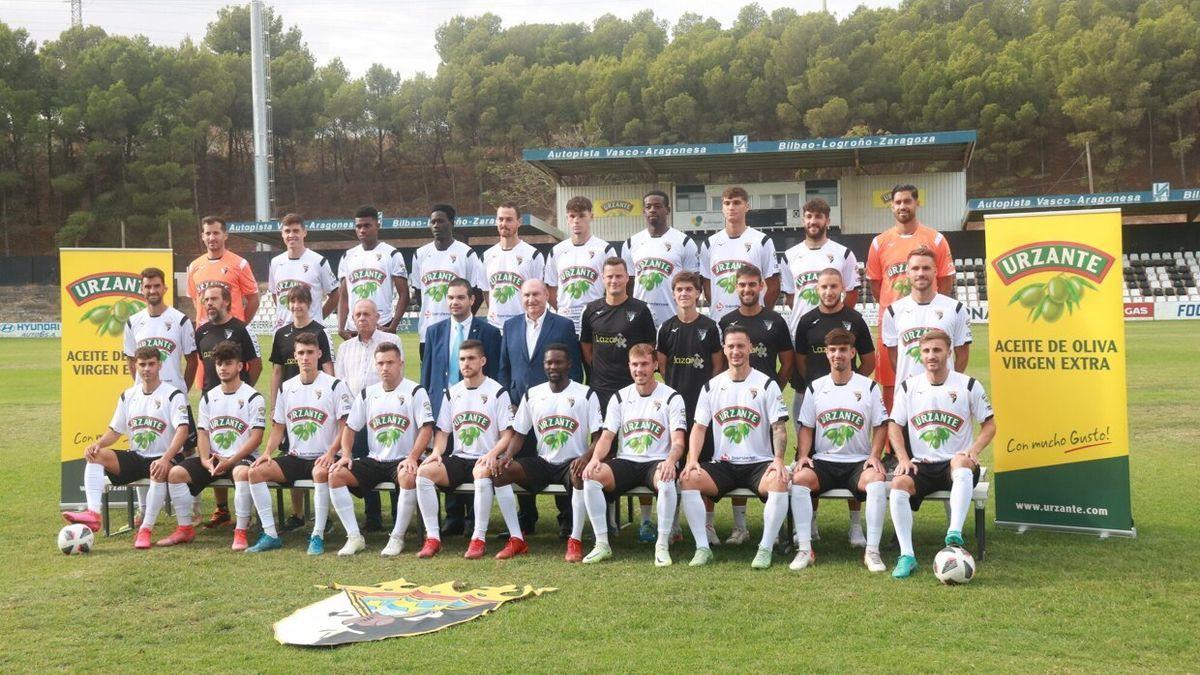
{"type": "Point", "coordinates": [164, 346]}
{"type": "Point", "coordinates": [576, 280]}
{"type": "Point", "coordinates": [853, 418]}
{"type": "Point", "coordinates": [286, 285]}
{"type": "Point", "coordinates": [555, 430]}
{"type": "Point", "coordinates": [652, 272]}
{"type": "Point", "coordinates": [618, 340]}
{"type": "Point", "coordinates": [912, 337]}
{"type": "Point", "coordinates": [363, 274]}
{"type": "Point", "coordinates": [227, 422]}
{"type": "Point", "coordinates": [389, 428]}
{"type": "Point", "coordinates": [695, 361]}
{"type": "Point", "coordinates": [145, 430]}
{"type": "Point", "coordinates": [937, 418]}
{"type": "Point", "coordinates": [469, 425]}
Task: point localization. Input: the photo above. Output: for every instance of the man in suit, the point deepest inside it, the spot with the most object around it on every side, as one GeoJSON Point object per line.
{"type": "Point", "coordinates": [521, 356]}
{"type": "Point", "coordinates": [439, 367]}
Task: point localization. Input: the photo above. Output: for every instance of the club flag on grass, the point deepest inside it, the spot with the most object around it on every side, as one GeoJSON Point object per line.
{"type": "Point", "coordinates": [392, 609]}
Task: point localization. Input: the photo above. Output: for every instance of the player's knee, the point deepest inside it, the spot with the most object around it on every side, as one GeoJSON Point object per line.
{"type": "Point", "coordinates": [868, 477]}
{"type": "Point", "coordinates": [406, 481]}
{"type": "Point", "coordinates": [479, 472]}
{"type": "Point", "coordinates": [904, 483]}
{"type": "Point", "coordinates": [320, 474]}
{"type": "Point", "coordinates": [337, 479]}
{"type": "Point", "coordinates": [177, 474]}
{"type": "Point", "coordinates": [961, 462]}
{"type": "Point", "coordinates": [258, 474]}
{"type": "Point", "coordinates": [805, 478]}
{"type": "Point", "coordinates": [241, 473]}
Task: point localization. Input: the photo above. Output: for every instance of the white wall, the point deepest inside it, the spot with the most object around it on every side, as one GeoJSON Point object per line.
{"type": "Point", "coordinates": [943, 201]}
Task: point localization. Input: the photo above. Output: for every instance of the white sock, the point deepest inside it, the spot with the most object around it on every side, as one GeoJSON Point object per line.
{"type": "Point", "coordinates": [578, 513]}
{"type": "Point", "coordinates": [483, 507]}
{"type": "Point", "coordinates": [902, 520]}
{"type": "Point", "coordinates": [645, 509]}
{"type": "Point", "coordinates": [343, 505]}
{"type": "Point", "coordinates": [508, 508]}
{"type": "Point", "coordinates": [93, 486]}
{"type": "Point", "coordinates": [856, 520]}
{"type": "Point", "coordinates": [427, 501]}
{"type": "Point", "coordinates": [182, 498]}
{"type": "Point", "coordinates": [739, 517]}
{"type": "Point", "coordinates": [708, 517]}
{"type": "Point", "coordinates": [876, 506]}
{"type": "Point", "coordinates": [802, 515]}
{"type": "Point", "coordinates": [243, 504]}
{"type": "Point", "coordinates": [960, 497]}
{"type": "Point", "coordinates": [260, 494]}
{"type": "Point", "coordinates": [320, 509]}
{"type": "Point", "coordinates": [668, 501]}
{"type": "Point", "coordinates": [142, 492]}
{"type": "Point", "coordinates": [408, 504]}
{"type": "Point", "coordinates": [597, 509]}
{"type": "Point", "coordinates": [156, 496]}
{"type": "Point", "coordinates": [774, 513]}
{"type": "Point", "coordinates": [693, 512]}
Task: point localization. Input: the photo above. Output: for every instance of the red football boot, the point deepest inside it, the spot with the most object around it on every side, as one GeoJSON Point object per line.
{"type": "Point", "coordinates": [89, 518]}
{"type": "Point", "coordinates": [183, 534]}
{"type": "Point", "coordinates": [430, 549]}
{"type": "Point", "coordinates": [514, 547]}
{"type": "Point", "coordinates": [143, 538]}
{"type": "Point", "coordinates": [239, 540]}
{"type": "Point", "coordinates": [475, 550]}
{"type": "Point", "coordinates": [574, 551]}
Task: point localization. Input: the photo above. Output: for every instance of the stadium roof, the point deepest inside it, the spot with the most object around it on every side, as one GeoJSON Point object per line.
{"type": "Point", "coordinates": [746, 155]}
{"type": "Point", "coordinates": [1158, 201]}
{"type": "Point", "coordinates": [342, 229]}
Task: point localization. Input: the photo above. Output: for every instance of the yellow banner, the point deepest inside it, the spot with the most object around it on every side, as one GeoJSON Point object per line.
{"type": "Point", "coordinates": [616, 208]}
{"type": "Point", "coordinates": [101, 288]}
{"type": "Point", "coordinates": [1057, 329]}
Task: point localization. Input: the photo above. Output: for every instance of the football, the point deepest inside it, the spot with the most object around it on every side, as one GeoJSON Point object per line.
{"type": "Point", "coordinates": [954, 565]}
{"type": "Point", "coordinates": [75, 539]}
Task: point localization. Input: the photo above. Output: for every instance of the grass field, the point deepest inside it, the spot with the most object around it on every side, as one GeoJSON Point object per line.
{"type": "Point", "coordinates": [1042, 601]}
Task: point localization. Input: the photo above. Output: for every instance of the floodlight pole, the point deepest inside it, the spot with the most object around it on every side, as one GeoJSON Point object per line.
{"type": "Point", "coordinates": [258, 85]}
{"type": "Point", "coordinates": [1087, 149]}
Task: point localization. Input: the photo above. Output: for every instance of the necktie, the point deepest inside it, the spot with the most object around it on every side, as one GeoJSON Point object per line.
{"type": "Point", "coordinates": [455, 343]}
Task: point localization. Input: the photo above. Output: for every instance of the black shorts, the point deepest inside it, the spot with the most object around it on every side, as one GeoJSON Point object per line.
{"type": "Point", "coordinates": [371, 472]}
{"type": "Point", "coordinates": [295, 468]}
{"type": "Point", "coordinates": [628, 474]}
{"type": "Point", "coordinates": [539, 473]}
{"type": "Point", "coordinates": [729, 476]}
{"type": "Point", "coordinates": [189, 444]}
{"type": "Point", "coordinates": [458, 471]}
{"type": "Point", "coordinates": [361, 447]}
{"type": "Point", "coordinates": [133, 467]}
{"type": "Point", "coordinates": [834, 475]}
{"type": "Point", "coordinates": [934, 476]}
{"type": "Point", "coordinates": [199, 477]}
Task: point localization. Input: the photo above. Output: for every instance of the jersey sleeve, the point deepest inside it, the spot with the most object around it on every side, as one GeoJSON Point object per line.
{"type": "Point", "coordinates": [345, 400]}
{"type": "Point", "coordinates": [779, 335]}
{"type": "Point", "coordinates": [962, 326]}
{"type": "Point", "coordinates": [945, 261]}
{"type": "Point", "coordinates": [202, 418]}
{"type": "Point", "coordinates": [522, 422]}
{"type": "Point", "coordinates": [272, 280]}
{"type": "Point", "coordinates": [443, 419]}
{"type": "Point", "coordinates": [776, 408]}
{"type": "Point", "coordinates": [612, 416]}
{"type": "Point", "coordinates": [879, 413]}
{"type": "Point", "coordinates": [189, 336]}
{"type": "Point", "coordinates": [358, 413]}
{"type": "Point", "coordinates": [415, 277]}
{"type": "Point", "coordinates": [130, 340]}
{"type": "Point", "coordinates": [504, 411]}
{"type": "Point", "coordinates": [543, 267]}
{"type": "Point", "coordinates": [277, 356]}
{"type": "Point", "coordinates": [800, 339]}
{"type": "Point", "coordinates": [191, 284]}
{"type": "Point", "coordinates": [396, 266]}
{"type": "Point", "coordinates": [888, 333]}
{"type": "Point", "coordinates": [585, 327]}
{"type": "Point", "coordinates": [422, 407]}
{"type": "Point", "coordinates": [258, 411]}
{"type": "Point", "coordinates": [249, 345]}
{"type": "Point", "coordinates": [279, 414]}
{"type": "Point", "coordinates": [676, 413]}
{"type": "Point", "coordinates": [343, 268]}
{"type": "Point", "coordinates": [769, 263]}
{"type": "Point", "coordinates": [120, 421]}
{"type": "Point", "coordinates": [690, 255]}
{"type": "Point", "coordinates": [245, 279]}
{"type": "Point", "coordinates": [664, 336]}
{"type": "Point", "coordinates": [477, 272]}
{"type": "Point", "coordinates": [787, 282]}
{"type": "Point", "coordinates": [179, 409]}
{"type": "Point", "coordinates": [981, 405]}
{"type": "Point", "coordinates": [850, 271]}
{"type": "Point", "coordinates": [713, 340]}
{"type": "Point", "coordinates": [552, 269]}
{"type": "Point", "coordinates": [328, 281]}
{"type": "Point", "coordinates": [899, 413]}
{"type": "Point", "coordinates": [595, 419]}
{"type": "Point", "coordinates": [874, 267]}
{"type": "Point", "coordinates": [704, 411]}
{"type": "Point", "coordinates": [862, 336]}
{"type": "Point", "coordinates": [703, 256]}
{"type": "Point", "coordinates": [645, 326]}
{"type": "Point", "coordinates": [627, 256]}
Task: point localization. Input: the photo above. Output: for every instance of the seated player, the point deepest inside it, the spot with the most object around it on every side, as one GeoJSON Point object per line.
{"type": "Point", "coordinates": [843, 429]}
{"type": "Point", "coordinates": [647, 421]}
{"type": "Point", "coordinates": [565, 418]}
{"type": "Point", "coordinates": [146, 413]}
{"type": "Point", "coordinates": [478, 412]}
{"type": "Point", "coordinates": [230, 429]}
{"type": "Point", "coordinates": [931, 435]}
{"type": "Point", "coordinates": [399, 423]}
{"type": "Point", "coordinates": [749, 419]}
{"type": "Point", "coordinates": [311, 408]}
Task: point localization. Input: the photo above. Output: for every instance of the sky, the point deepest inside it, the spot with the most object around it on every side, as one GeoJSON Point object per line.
{"type": "Point", "coordinates": [397, 33]}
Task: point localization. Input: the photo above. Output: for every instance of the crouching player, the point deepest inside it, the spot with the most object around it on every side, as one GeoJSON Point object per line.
{"type": "Point", "coordinates": [647, 421]}
{"type": "Point", "coordinates": [399, 422]}
{"type": "Point", "coordinates": [229, 431]}
{"type": "Point", "coordinates": [931, 435]}
{"type": "Point", "coordinates": [312, 407]}
{"type": "Point", "coordinates": [843, 426]}
{"type": "Point", "coordinates": [154, 415]}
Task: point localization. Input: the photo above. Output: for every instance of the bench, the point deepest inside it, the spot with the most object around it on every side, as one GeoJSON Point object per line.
{"type": "Point", "coordinates": [979, 499]}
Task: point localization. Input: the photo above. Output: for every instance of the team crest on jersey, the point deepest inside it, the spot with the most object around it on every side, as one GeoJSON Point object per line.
{"type": "Point", "coordinates": [319, 392]}
{"type": "Point", "coordinates": [846, 325]}
{"type": "Point", "coordinates": [954, 397]}
{"type": "Point", "coordinates": [657, 405]}
{"type": "Point", "coordinates": [629, 315]}
{"type": "Point", "coordinates": [747, 245]}
{"type": "Point", "coordinates": [378, 257]}
{"type": "Point", "coordinates": [858, 396]}
{"type": "Point", "coordinates": [703, 333]}
{"type": "Point", "coordinates": [667, 246]}
{"type": "Point", "coordinates": [769, 323]}
{"type": "Point", "coordinates": [939, 314]}
{"type": "Point", "coordinates": [830, 256]}
{"type": "Point", "coordinates": [453, 257]}
{"type": "Point", "coordinates": [753, 393]}
{"type": "Point", "coordinates": [571, 401]}
{"type": "Point", "coordinates": [157, 404]}
{"type": "Point", "coordinates": [483, 398]}
{"type": "Point", "coordinates": [520, 259]}
{"type": "Point", "coordinates": [166, 324]}
{"type": "Point", "coordinates": [304, 267]}
{"type": "Point", "coordinates": [241, 403]}
{"type": "Point", "coordinates": [228, 333]}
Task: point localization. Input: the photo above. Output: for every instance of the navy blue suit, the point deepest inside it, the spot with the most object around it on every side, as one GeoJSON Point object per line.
{"type": "Point", "coordinates": [435, 366]}
{"type": "Point", "coordinates": [518, 371]}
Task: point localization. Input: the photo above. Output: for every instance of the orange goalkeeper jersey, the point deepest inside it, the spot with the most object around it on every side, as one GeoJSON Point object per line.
{"type": "Point", "coordinates": [887, 261]}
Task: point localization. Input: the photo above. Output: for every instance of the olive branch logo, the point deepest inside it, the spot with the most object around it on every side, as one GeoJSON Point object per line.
{"type": "Point", "coordinates": [556, 440]}
{"type": "Point", "coordinates": [225, 439]}
{"type": "Point", "coordinates": [902, 286]}
{"type": "Point", "coordinates": [468, 435]}
{"type": "Point", "coordinates": [366, 289]}
{"type": "Point", "coordinates": [737, 432]}
{"type": "Point", "coordinates": [110, 319]}
{"type": "Point", "coordinates": [936, 438]}
{"type": "Point", "coordinates": [143, 439]}
{"type": "Point", "coordinates": [389, 437]}
{"type": "Point", "coordinates": [640, 444]}
{"type": "Point", "coordinates": [810, 295]}
{"type": "Point", "coordinates": [305, 430]}
{"type": "Point", "coordinates": [504, 293]}
{"type": "Point", "coordinates": [1045, 301]}
{"type": "Point", "coordinates": [437, 292]}
{"type": "Point", "coordinates": [651, 280]}
{"type": "Point", "coordinates": [728, 283]}
{"type": "Point", "coordinates": [577, 288]}
{"type": "Point", "coordinates": [839, 436]}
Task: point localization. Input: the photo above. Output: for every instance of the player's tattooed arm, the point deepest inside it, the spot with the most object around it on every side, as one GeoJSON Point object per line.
{"type": "Point", "coordinates": [779, 438]}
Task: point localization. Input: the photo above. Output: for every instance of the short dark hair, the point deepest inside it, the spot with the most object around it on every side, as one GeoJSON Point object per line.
{"type": "Point", "coordinates": [225, 294]}
{"type": "Point", "coordinates": [658, 193]}
{"type": "Point", "coordinates": [686, 277]}
{"type": "Point", "coordinates": [446, 209]}
{"type": "Point", "coordinates": [475, 345]}
{"type": "Point", "coordinates": [146, 352]}
{"type": "Point", "coordinates": [154, 273]}
{"type": "Point", "coordinates": [839, 336]}
{"type": "Point", "coordinates": [614, 260]}
{"type": "Point", "coordinates": [922, 251]}
{"type": "Point", "coordinates": [227, 350]}
{"type": "Point", "coordinates": [831, 271]}
{"type": "Point", "coordinates": [558, 347]}
{"type": "Point", "coordinates": [904, 187]}
{"type": "Point", "coordinates": [291, 219]}
{"type": "Point", "coordinates": [367, 211]}
{"type": "Point", "coordinates": [307, 339]}
{"type": "Point", "coordinates": [936, 334]}
{"type": "Point", "coordinates": [749, 271]}
{"type": "Point", "coordinates": [385, 347]}
{"type": "Point", "coordinates": [300, 293]}
{"type": "Point", "coordinates": [459, 281]}
{"type": "Point", "coordinates": [579, 204]}
{"type": "Point", "coordinates": [209, 220]}
{"type": "Point", "coordinates": [817, 205]}
{"type": "Point", "coordinates": [736, 191]}
{"type": "Point", "coordinates": [730, 330]}
{"type": "Point", "coordinates": [510, 204]}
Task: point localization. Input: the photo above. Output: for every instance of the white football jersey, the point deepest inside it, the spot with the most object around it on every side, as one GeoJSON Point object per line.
{"type": "Point", "coordinates": [653, 262]}
{"type": "Point", "coordinates": [905, 321]}
{"type": "Point", "coordinates": [171, 333]}
{"type": "Point", "coordinates": [506, 272]}
{"type": "Point", "coordinates": [432, 272]}
{"type": "Point", "coordinates": [369, 276]}
{"type": "Point", "coordinates": [721, 256]}
{"type": "Point", "coordinates": [643, 424]}
{"type": "Point", "coordinates": [310, 269]}
{"type": "Point", "coordinates": [392, 418]}
{"type": "Point", "coordinates": [740, 413]}
{"type": "Point", "coordinates": [311, 413]}
{"type": "Point", "coordinates": [577, 270]}
{"type": "Point", "coordinates": [804, 264]}
{"type": "Point", "coordinates": [476, 417]}
{"type": "Point", "coordinates": [563, 422]}
{"type": "Point", "coordinates": [150, 420]}
{"type": "Point", "coordinates": [229, 418]}
{"type": "Point", "coordinates": [843, 417]}
{"type": "Point", "coordinates": [938, 416]}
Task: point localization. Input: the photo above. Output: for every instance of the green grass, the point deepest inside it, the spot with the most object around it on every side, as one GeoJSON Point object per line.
{"type": "Point", "coordinates": [1042, 601]}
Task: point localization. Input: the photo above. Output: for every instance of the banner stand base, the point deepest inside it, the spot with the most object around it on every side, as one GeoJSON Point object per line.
{"type": "Point", "coordinates": [1102, 533]}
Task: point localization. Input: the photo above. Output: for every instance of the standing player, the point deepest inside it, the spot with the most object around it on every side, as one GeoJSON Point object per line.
{"type": "Point", "coordinates": [230, 429]}
{"type": "Point", "coordinates": [166, 329]}
{"type": "Point", "coordinates": [749, 419]}
{"type": "Point", "coordinates": [508, 265]}
{"type": "Point", "coordinates": [375, 271]}
{"type": "Point", "coordinates": [311, 409]}
{"type": "Point", "coordinates": [887, 260]}
{"type": "Point", "coordinates": [922, 310]}
{"type": "Point", "coordinates": [564, 417]}
{"type": "Point", "coordinates": [576, 264]}
{"type": "Point", "coordinates": [611, 325]}
{"type": "Point", "coordinates": [222, 268]}
{"type": "Point", "coordinates": [727, 251]}
{"type": "Point", "coordinates": [808, 258]}
{"type": "Point", "coordinates": [146, 413]}
{"type": "Point", "coordinates": [300, 266]}
{"type": "Point", "coordinates": [689, 355]}
{"type": "Point", "coordinates": [648, 423]}
{"type": "Point", "coordinates": [438, 263]}
{"type": "Point", "coordinates": [930, 433]}
{"type": "Point", "coordinates": [656, 254]}
{"type": "Point", "coordinates": [479, 414]}
{"type": "Point", "coordinates": [843, 429]}
{"type": "Point", "coordinates": [398, 421]}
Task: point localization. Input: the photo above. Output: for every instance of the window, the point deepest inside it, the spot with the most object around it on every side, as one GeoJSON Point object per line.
{"type": "Point", "coordinates": [793, 200]}
{"type": "Point", "coordinates": [825, 189]}
{"type": "Point", "coordinates": [716, 203]}
{"type": "Point", "coordinates": [690, 198]}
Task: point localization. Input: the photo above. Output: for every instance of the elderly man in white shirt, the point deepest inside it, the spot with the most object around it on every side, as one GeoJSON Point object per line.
{"type": "Point", "coordinates": [355, 365]}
